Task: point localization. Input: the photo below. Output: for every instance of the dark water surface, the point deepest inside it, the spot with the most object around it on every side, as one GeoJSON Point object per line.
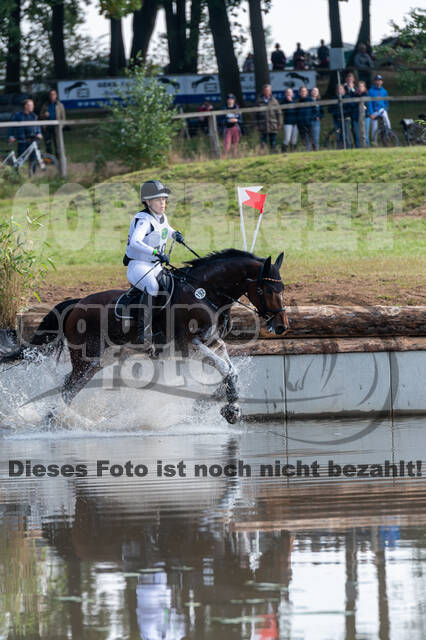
{"type": "Point", "coordinates": [152, 557]}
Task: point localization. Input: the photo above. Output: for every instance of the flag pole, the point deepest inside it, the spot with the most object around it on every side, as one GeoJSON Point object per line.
{"type": "Point", "coordinates": [256, 230]}
{"type": "Point", "coordinates": [243, 228]}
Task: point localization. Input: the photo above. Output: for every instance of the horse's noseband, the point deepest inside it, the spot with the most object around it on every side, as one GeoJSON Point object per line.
{"type": "Point", "coordinates": [267, 314]}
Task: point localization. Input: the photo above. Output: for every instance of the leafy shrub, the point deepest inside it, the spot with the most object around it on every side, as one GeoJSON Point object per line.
{"type": "Point", "coordinates": [141, 127]}
{"type": "Point", "coordinates": [21, 268]}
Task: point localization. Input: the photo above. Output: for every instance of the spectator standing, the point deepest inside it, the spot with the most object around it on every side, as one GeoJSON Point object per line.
{"type": "Point", "coordinates": [232, 126]}
{"type": "Point", "coordinates": [290, 122]}
{"type": "Point", "coordinates": [299, 58]}
{"type": "Point", "coordinates": [278, 59]}
{"type": "Point", "coordinates": [53, 109]}
{"type": "Point", "coordinates": [270, 121]}
{"type": "Point", "coordinates": [304, 118]}
{"type": "Point", "coordinates": [24, 135]}
{"type": "Point", "coordinates": [323, 53]}
{"type": "Point", "coordinates": [317, 115]}
{"type": "Point", "coordinates": [361, 90]}
{"type": "Point", "coordinates": [378, 108]}
{"type": "Point", "coordinates": [363, 63]}
{"type": "Point", "coordinates": [342, 128]}
{"type": "Point", "coordinates": [204, 122]}
{"type": "Point", "coordinates": [351, 108]}
{"type": "Point", "coordinates": [248, 66]}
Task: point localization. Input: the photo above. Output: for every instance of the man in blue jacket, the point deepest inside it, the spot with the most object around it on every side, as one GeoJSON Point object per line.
{"type": "Point", "coordinates": [378, 108]}
{"type": "Point", "coordinates": [24, 135]}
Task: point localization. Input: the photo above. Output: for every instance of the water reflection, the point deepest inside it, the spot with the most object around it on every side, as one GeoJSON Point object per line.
{"type": "Point", "coordinates": [253, 558]}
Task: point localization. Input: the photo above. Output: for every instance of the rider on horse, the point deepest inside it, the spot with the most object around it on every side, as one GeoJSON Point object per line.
{"type": "Point", "coordinates": [146, 245]}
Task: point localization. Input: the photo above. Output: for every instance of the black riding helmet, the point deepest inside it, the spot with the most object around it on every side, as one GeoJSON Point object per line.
{"type": "Point", "coordinates": [154, 189]}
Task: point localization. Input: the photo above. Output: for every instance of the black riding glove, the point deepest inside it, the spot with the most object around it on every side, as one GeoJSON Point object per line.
{"type": "Point", "coordinates": [178, 236]}
{"type": "Point", "coordinates": [163, 258]}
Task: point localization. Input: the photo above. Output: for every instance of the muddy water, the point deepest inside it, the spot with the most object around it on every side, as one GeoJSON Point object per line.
{"type": "Point", "coordinates": [309, 556]}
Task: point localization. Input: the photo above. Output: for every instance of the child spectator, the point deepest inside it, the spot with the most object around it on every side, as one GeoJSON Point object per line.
{"type": "Point", "coordinates": [317, 115]}
{"type": "Point", "coordinates": [351, 108]}
{"type": "Point", "coordinates": [232, 122]}
{"type": "Point", "coordinates": [361, 90]}
{"type": "Point", "coordinates": [304, 118]}
{"type": "Point", "coordinates": [340, 126]}
{"type": "Point", "coordinates": [204, 122]}
{"type": "Point", "coordinates": [378, 108]}
{"type": "Point", "coordinates": [290, 122]}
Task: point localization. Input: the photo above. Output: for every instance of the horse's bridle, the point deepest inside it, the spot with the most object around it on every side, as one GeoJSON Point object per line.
{"type": "Point", "coordinates": [267, 314]}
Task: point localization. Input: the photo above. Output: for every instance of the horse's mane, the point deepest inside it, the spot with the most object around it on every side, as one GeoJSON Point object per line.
{"type": "Point", "coordinates": [216, 256]}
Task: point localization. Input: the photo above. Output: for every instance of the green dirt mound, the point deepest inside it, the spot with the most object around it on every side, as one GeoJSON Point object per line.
{"type": "Point", "coordinates": [403, 165]}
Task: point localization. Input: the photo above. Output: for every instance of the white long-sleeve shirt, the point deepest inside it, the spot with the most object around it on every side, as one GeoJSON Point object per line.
{"type": "Point", "coordinates": [148, 234]}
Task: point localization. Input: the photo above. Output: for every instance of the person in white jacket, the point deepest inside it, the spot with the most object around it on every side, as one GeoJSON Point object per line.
{"type": "Point", "coordinates": [146, 245]}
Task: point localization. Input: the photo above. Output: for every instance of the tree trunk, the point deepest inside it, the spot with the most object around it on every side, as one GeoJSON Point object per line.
{"type": "Point", "coordinates": [336, 41]}
{"type": "Point", "coordinates": [364, 34]}
{"type": "Point", "coordinates": [117, 57]}
{"type": "Point", "coordinates": [13, 57]}
{"type": "Point", "coordinates": [191, 53]}
{"type": "Point", "coordinates": [229, 73]}
{"type": "Point", "coordinates": [174, 65]}
{"type": "Point", "coordinates": [183, 50]}
{"type": "Point", "coordinates": [143, 27]}
{"type": "Point", "coordinates": [261, 69]}
{"type": "Point", "coordinates": [365, 28]}
{"type": "Point", "coordinates": [57, 40]}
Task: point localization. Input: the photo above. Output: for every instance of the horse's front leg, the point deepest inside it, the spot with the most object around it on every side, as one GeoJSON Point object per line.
{"type": "Point", "coordinates": [231, 411]}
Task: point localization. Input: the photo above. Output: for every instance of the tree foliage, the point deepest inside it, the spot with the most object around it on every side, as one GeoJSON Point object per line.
{"type": "Point", "coordinates": [407, 48]}
{"type": "Point", "coordinates": [141, 126]}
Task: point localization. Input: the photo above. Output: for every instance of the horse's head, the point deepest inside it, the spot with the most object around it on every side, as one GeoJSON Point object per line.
{"type": "Point", "coordinates": [266, 293]}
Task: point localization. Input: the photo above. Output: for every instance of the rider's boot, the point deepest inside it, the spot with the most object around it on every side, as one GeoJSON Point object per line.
{"type": "Point", "coordinates": [284, 148]}
{"type": "Point", "coordinates": [144, 317]}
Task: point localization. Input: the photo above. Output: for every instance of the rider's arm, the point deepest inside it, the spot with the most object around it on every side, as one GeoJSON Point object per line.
{"type": "Point", "coordinates": [137, 243]}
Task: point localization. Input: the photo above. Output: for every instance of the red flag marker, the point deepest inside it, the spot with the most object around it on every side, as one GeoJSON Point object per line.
{"type": "Point", "coordinates": [256, 200]}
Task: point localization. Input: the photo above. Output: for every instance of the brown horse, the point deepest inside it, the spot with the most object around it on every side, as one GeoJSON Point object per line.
{"type": "Point", "coordinates": [196, 317]}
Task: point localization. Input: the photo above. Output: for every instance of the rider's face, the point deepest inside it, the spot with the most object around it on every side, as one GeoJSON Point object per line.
{"type": "Point", "coordinates": [158, 205]}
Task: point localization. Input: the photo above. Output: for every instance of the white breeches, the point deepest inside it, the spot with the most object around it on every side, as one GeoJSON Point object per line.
{"type": "Point", "coordinates": [143, 276]}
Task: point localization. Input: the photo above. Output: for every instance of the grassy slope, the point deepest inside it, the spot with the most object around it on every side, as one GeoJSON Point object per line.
{"type": "Point", "coordinates": [209, 219]}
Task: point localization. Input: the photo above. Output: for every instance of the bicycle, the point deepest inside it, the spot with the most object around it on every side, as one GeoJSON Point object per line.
{"type": "Point", "coordinates": [334, 138]}
{"type": "Point", "coordinates": [38, 162]}
{"type": "Point", "coordinates": [414, 133]}
{"type": "Point", "coordinates": [384, 136]}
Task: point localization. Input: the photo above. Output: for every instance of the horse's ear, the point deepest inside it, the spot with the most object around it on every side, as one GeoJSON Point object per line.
{"type": "Point", "coordinates": [267, 265]}
{"type": "Point", "coordinates": [279, 260]}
